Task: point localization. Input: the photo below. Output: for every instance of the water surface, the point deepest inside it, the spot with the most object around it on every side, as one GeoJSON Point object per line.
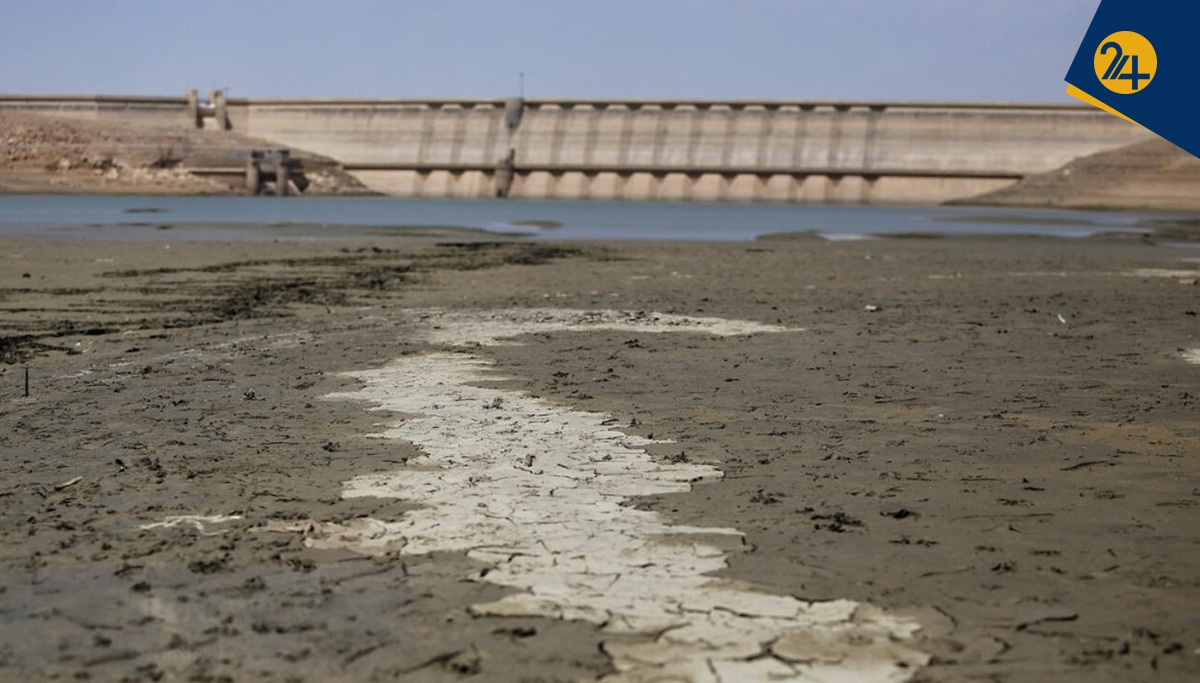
{"type": "Point", "coordinates": [168, 217]}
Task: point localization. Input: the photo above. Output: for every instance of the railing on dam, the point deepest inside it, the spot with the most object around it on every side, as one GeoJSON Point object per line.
{"type": "Point", "coordinates": [766, 150]}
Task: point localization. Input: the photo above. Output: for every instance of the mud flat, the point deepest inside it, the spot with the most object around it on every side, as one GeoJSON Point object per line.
{"type": "Point", "coordinates": [933, 460]}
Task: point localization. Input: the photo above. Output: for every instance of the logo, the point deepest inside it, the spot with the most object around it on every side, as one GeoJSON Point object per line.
{"type": "Point", "coordinates": [1116, 69]}
{"type": "Point", "coordinates": [1126, 62]}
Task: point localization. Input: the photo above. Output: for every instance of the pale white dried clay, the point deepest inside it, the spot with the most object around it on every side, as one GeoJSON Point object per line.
{"type": "Point", "coordinates": [540, 494]}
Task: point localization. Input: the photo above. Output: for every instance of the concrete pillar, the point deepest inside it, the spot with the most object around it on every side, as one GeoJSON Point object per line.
{"type": "Point", "coordinates": [505, 171]}
{"type": "Point", "coordinates": [282, 172]}
{"type": "Point", "coordinates": [193, 108]}
{"type": "Point", "coordinates": [220, 111]}
{"type": "Point", "coordinates": [253, 176]}
{"type": "Point", "coordinates": [513, 109]}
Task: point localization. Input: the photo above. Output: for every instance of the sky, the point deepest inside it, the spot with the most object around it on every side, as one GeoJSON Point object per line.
{"type": "Point", "coordinates": [896, 50]}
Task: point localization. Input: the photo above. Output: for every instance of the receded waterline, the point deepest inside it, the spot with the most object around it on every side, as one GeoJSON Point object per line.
{"type": "Point", "coordinates": [222, 218]}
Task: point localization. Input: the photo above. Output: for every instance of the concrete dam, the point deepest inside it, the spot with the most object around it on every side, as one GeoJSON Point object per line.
{"type": "Point", "coordinates": [770, 151]}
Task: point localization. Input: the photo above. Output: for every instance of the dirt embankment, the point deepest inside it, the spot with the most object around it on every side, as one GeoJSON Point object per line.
{"type": "Point", "coordinates": [1146, 175]}
{"type": "Point", "coordinates": [43, 153]}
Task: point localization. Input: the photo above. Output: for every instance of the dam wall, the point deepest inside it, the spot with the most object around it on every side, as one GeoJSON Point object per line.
{"type": "Point", "coordinates": [745, 151]}
{"type": "Point", "coordinates": [856, 152]}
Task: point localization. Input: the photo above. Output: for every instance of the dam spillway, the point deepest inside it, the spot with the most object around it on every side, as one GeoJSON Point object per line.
{"type": "Point", "coordinates": [777, 151]}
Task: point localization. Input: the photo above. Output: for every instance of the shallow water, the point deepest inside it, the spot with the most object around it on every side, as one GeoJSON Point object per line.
{"type": "Point", "coordinates": [148, 217]}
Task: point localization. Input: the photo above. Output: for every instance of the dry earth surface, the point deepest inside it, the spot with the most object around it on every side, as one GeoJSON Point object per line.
{"type": "Point", "coordinates": [1004, 446]}
{"type": "Point", "coordinates": [1146, 175]}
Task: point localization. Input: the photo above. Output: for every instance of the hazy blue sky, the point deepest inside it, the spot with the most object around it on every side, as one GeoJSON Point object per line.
{"type": "Point", "coordinates": [1015, 50]}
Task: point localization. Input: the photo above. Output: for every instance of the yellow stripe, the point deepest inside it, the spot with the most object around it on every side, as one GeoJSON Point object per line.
{"type": "Point", "coordinates": [1088, 99]}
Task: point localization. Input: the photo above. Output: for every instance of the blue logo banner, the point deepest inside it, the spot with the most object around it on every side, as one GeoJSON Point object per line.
{"type": "Point", "coordinates": [1139, 60]}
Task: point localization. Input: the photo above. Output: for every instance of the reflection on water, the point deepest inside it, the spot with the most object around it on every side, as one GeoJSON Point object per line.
{"type": "Point", "coordinates": [159, 218]}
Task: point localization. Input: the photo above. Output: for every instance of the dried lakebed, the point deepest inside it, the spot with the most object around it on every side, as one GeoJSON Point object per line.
{"type": "Point", "coordinates": [1029, 484]}
{"type": "Point", "coordinates": [541, 495]}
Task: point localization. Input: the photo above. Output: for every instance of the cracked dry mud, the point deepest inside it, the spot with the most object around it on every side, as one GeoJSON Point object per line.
{"type": "Point", "coordinates": [1022, 487]}
{"type": "Point", "coordinates": [538, 494]}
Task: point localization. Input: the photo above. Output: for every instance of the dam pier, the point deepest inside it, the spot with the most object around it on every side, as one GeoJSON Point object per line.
{"type": "Point", "coordinates": [768, 151]}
